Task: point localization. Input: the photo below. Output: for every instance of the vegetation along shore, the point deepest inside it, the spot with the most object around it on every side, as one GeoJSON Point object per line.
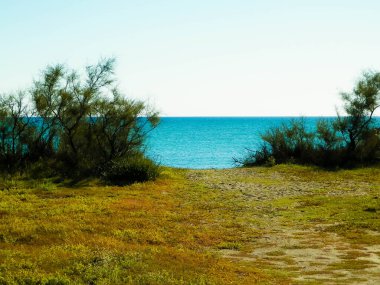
{"type": "Point", "coordinates": [81, 204]}
{"type": "Point", "coordinates": [163, 143]}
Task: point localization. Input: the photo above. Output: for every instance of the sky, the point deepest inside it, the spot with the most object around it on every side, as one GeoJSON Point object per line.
{"type": "Point", "coordinates": [201, 57]}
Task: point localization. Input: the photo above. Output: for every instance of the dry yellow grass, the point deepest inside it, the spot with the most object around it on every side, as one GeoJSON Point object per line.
{"type": "Point", "coordinates": [280, 225]}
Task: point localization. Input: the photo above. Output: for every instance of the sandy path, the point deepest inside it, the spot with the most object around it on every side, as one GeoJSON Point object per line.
{"type": "Point", "coordinates": [308, 252]}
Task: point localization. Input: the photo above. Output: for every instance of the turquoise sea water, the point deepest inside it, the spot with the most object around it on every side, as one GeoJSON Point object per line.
{"type": "Point", "coordinates": [209, 142]}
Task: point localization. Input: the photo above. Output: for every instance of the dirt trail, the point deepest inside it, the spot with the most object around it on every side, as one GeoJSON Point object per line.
{"type": "Point", "coordinates": [308, 252]}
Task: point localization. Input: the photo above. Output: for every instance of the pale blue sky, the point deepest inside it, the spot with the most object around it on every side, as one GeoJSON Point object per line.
{"type": "Point", "coordinates": [201, 58]}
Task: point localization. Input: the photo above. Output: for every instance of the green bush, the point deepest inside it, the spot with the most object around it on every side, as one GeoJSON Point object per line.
{"type": "Point", "coordinates": [347, 141]}
{"type": "Point", "coordinates": [129, 170]}
{"type": "Point", "coordinates": [70, 123]}
{"type": "Point", "coordinates": [324, 147]}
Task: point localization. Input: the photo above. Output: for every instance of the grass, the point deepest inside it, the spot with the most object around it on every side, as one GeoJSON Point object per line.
{"type": "Point", "coordinates": [179, 229]}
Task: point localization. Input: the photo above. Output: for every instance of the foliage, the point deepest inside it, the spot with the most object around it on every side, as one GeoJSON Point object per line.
{"type": "Point", "coordinates": [347, 141]}
{"type": "Point", "coordinates": [76, 124]}
{"type": "Point", "coordinates": [15, 129]}
{"type": "Point", "coordinates": [129, 170]}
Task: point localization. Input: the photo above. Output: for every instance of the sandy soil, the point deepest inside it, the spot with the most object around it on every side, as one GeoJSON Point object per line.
{"type": "Point", "coordinates": [308, 252]}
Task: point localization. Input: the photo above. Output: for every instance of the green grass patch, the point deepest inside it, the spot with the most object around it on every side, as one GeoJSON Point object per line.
{"type": "Point", "coordinates": [169, 231]}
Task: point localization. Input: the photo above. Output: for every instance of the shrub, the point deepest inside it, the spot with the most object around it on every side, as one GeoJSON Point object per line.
{"type": "Point", "coordinates": [135, 168]}
{"type": "Point", "coordinates": [69, 124]}
{"type": "Point", "coordinates": [290, 142]}
{"type": "Point", "coordinates": [324, 147]}
{"type": "Point", "coordinates": [285, 144]}
{"type": "Point", "coordinates": [347, 141]}
{"type": "Point", "coordinates": [262, 156]}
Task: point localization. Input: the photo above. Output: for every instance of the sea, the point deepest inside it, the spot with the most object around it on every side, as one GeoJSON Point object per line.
{"type": "Point", "coordinates": [210, 142]}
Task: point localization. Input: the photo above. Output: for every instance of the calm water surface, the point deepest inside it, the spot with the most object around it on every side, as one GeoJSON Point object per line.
{"type": "Point", "coordinates": [209, 142]}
